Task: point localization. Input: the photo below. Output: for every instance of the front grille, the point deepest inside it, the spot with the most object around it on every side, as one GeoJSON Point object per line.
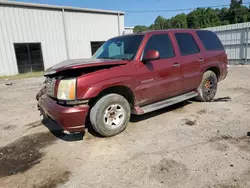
{"type": "Point", "coordinates": [50, 86]}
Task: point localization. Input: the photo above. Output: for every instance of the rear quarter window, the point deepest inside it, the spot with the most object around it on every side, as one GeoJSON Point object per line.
{"type": "Point", "coordinates": [210, 40]}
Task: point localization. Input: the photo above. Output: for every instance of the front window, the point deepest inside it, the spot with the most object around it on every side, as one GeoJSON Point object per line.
{"type": "Point", "coordinates": [122, 48]}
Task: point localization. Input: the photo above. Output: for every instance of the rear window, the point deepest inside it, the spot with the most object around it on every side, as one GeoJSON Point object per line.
{"type": "Point", "coordinates": [210, 40]}
{"type": "Point", "coordinates": [187, 44]}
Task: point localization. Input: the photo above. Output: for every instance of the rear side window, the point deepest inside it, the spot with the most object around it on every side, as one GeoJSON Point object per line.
{"type": "Point", "coordinates": [210, 40]}
{"type": "Point", "coordinates": [187, 44]}
{"type": "Point", "coordinates": [162, 44]}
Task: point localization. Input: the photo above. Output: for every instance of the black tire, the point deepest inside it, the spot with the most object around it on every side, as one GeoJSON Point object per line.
{"type": "Point", "coordinates": [207, 92]}
{"type": "Point", "coordinates": [98, 117]}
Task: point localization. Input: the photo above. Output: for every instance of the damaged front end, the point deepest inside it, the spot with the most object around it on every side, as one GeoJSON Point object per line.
{"type": "Point", "coordinates": [58, 97]}
{"type": "Point", "coordinates": [57, 73]}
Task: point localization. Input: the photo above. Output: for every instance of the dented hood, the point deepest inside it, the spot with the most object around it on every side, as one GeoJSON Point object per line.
{"type": "Point", "coordinates": [82, 63]}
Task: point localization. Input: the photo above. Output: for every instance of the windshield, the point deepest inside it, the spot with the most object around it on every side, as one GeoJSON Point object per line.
{"type": "Point", "coordinates": [123, 48]}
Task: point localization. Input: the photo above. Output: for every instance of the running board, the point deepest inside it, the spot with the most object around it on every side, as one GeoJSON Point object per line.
{"type": "Point", "coordinates": [168, 102]}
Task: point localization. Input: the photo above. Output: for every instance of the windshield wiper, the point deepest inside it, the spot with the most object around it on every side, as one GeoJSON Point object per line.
{"type": "Point", "coordinates": [107, 58]}
{"type": "Point", "coordinates": [124, 58]}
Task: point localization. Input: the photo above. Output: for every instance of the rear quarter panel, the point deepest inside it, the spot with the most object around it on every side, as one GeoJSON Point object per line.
{"type": "Point", "coordinates": [215, 59]}
{"type": "Point", "coordinates": [212, 59]}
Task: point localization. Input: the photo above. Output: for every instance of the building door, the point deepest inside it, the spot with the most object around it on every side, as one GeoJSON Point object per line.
{"type": "Point", "coordinates": [29, 57]}
{"type": "Point", "coordinates": [95, 46]}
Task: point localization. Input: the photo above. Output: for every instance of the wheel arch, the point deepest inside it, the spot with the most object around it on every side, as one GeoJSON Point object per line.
{"type": "Point", "coordinates": [122, 90]}
{"type": "Point", "coordinates": [216, 70]}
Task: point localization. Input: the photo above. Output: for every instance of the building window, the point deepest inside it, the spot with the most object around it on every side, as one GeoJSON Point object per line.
{"type": "Point", "coordinates": [95, 46]}
{"type": "Point", "coordinates": [29, 57]}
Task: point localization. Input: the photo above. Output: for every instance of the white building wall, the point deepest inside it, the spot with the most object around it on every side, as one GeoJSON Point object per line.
{"type": "Point", "coordinates": [20, 24]}
{"type": "Point", "coordinates": [26, 25]}
{"type": "Point", "coordinates": [82, 28]}
{"type": "Point", "coordinates": [128, 30]}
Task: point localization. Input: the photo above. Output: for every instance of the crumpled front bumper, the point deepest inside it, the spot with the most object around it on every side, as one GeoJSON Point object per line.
{"type": "Point", "coordinates": [71, 119]}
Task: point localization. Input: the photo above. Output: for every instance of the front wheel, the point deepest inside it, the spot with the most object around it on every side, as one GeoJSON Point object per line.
{"type": "Point", "coordinates": [110, 115]}
{"type": "Point", "coordinates": [208, 87]}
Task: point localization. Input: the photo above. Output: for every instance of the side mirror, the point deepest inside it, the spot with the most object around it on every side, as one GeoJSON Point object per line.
{"type": "Point", "coordinates": [151, 55]}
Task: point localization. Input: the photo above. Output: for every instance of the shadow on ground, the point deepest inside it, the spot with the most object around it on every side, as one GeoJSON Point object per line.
{"type": "Point", "coordinates": [56, 130]}
{"type": "Point", "coordinates": [222, 99]}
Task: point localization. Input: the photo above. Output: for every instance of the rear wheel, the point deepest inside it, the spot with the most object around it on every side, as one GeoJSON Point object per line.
{"type": "Point", "coordinates": [110, 115]}
{"type": "Point", "coordinates": [208, 87]}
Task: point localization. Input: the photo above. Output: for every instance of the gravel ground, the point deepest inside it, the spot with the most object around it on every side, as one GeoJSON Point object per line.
{"type": "Point", "coordinates": [189, 145]}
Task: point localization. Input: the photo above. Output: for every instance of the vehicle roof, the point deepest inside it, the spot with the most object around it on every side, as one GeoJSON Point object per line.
{"type": "Point", "coordinates": [167, 30]}
{"type": "Point", "coordinates": [158, 31]}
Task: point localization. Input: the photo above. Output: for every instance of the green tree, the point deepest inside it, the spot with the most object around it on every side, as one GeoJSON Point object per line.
{"type": "Point", "coordinates": [194, 19]}
{"type": "Point", "coordinates": [151, 27]}
{"type": "Point", "coordinates": [179, 21]}
{"type": "Point", "coordinates": [202, 18]}
{"type": "Point", "coordinates": [237, 12]}
{"type": "Point", "coordinates": [140, 28]}
{"type": "Point", "coordinates": [213, 18]}
{"type": "Point", "coordinates": [224, 16]}
{"type": "Point", "coordinates": [160, 23]}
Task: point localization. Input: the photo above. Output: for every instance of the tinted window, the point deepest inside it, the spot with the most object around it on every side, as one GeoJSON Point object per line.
{"type": "Point", "coordinates": [162, 44]}
{"type": "Point", "coordinates": [187, 44]}
{"type": "Point", "coordinates": [210, 40]}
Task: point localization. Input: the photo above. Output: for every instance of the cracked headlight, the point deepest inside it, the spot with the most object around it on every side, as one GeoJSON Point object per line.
{"type": "Point", "coordinates": [66, 89]}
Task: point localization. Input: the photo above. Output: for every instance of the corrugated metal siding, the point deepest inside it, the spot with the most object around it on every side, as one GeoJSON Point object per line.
{"type": "Point", "coordinates": [82, 28]}
{"type": "Point", "coordinates": [26, 25]}
{"type": "Point", "coordinates": [122, 23]}
{"type": "Point", "coordinates": [45, 26]}
{"type": "Point", "coordinates": [235, 39]}
{"type": "Point", "coordinates": [128, 30]}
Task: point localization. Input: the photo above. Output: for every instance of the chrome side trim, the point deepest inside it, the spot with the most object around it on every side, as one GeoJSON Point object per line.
{"type": "Point", "coordinates": [145, 81]}
{"type": "Point", "coordinates": [76, 127]}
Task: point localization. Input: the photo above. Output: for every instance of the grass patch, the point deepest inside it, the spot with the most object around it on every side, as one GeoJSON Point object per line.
{"type": "Point", "coordinates": [21, 76]}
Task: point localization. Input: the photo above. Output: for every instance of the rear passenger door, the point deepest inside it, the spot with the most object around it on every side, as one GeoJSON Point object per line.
{"type": "Point", "coordinates": [190, 60]}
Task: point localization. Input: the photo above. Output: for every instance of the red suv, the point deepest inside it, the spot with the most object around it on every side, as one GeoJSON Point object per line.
{"type": "Point", "coordinates": [137, 74]}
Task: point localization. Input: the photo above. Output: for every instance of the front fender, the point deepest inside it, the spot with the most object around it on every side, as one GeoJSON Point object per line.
{"type": "Point", "coordinates": [96, 89]}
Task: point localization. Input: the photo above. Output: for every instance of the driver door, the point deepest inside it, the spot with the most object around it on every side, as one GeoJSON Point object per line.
{"type": "Point", "coordinates": [159, 79]}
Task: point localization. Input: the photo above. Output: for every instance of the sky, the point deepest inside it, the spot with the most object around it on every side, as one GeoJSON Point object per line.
{"type": "Point", "coordinates": [131, 18]}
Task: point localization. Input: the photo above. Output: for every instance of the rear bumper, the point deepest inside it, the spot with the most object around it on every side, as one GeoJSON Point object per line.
{"type": "Point", "coordinates": [71, 119]}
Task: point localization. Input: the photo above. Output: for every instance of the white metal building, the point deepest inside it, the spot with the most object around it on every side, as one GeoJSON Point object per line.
{"type": "Point", "coordinates": [235, 39]}
{"type": "Point", "coordinates": [128, 30]}
{"type": "Point", "coordinates": [34, 37]}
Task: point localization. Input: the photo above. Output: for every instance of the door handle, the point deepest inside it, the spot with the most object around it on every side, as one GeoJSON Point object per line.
{"type": "Point", "coordinates": [201, 59]}
{"type": "Point", "coordinates": [176, 65]}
